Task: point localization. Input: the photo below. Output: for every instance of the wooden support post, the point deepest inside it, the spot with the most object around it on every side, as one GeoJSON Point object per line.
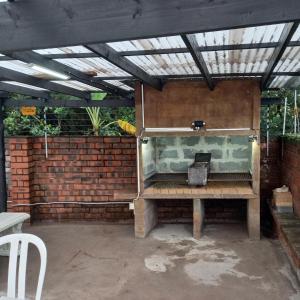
{"type": "Point", "coordinates": [3, 192]}
{"type": "Point", "coordinates": [198, 218]}
{"type": "Point", "coordinates": [145, 216]}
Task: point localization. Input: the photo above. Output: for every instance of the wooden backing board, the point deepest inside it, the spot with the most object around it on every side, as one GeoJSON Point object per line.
{"type": "Point", "coordinates": [232, 104]}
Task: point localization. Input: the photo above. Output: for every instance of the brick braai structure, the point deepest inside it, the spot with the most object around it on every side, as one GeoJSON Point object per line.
{"type": "Point", "coordinates": [72, 173]}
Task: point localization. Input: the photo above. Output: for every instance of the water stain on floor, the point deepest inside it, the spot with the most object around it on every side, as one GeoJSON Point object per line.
{"type": "Point", "coordinates": [207, 261]}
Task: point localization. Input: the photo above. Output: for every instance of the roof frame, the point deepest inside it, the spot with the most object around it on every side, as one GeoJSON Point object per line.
{"type": "Point", "coordinates": [75, 24]}
{"type": "Point", "coordinates": [12, 88]}
{"type": "Point", "coordinates": [38, 59]}
{"type": "Point", "coordinates": [166, 50]}
{"type": "Point", "coordinates": [42, 83]}
{"type": "Point", "coordinates": [115, 58]}
{"type": "Point", "coordinates": [115, 102]}
{"type": "Point", "coordinates": [191, 76]}
{"type": "Point", "coordinates": [191, 43]}
{"type": "Point", "coordinates": [284, 40]}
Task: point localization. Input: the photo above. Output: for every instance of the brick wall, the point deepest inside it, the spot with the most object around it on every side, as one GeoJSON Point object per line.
{"type": "Point", "coordinates": [270, 172]}
{"type": "Point", "coordinates": [88, 169]}
{"type": "Point", "coordinates": [291, 171]}
{"type": "Point", "coordinates": [84, 170]}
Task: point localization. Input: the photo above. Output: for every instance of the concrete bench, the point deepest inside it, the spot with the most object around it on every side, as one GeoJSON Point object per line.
{"type": "Point", "coordinates": [11, 223]}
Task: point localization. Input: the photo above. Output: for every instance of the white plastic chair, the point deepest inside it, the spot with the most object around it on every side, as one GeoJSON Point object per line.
{"type": "Point", "coordinates": [19, 245]}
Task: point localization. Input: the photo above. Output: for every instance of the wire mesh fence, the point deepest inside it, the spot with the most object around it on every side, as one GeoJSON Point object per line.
{"type": "Point", "coordinates": [68, 121]}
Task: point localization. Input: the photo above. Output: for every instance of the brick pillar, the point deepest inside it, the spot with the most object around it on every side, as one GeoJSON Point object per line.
{"type": "Point", "coordinates": [21, 173]}
{"type": "Point", "coordinates": [145, 219]}
{"type": "Point", "coordinates": [198, 218]}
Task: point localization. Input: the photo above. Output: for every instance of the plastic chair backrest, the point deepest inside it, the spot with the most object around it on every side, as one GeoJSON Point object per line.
{"type": "Point", "coordinates": [19, 245]}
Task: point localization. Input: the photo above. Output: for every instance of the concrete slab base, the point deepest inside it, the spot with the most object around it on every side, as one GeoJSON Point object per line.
{"type": "Point", "coordinates": [106, 262]}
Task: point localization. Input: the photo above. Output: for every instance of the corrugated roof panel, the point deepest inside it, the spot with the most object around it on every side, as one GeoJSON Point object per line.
{"type": "Point", "coordinates": [25, 85]}
{"type": "Point", "coordinates": [166, 64]}
{"type": "Point", "coordinates": [249, 35]}
{"type": "Point", "coordinates": [296, 36]}
{"type": "Point", "coordinates": [120, 84]}
{"type": "Point", "coordinates": [149, 44]}
{"type": "Point", "coordinates": [237, 61]}
{"type": "Point", "coordinates": [77, 85]}
{"type": "Point", "coordinates": [285, 82]}
{"type": "Point", "coordinates": [20, 66]}
{"type": "Point", "coordinates": [290, 60]}
{"type": "Point", "coordinates": [75, 49]}
{"type": "Point", "coordinates": [94, 65]}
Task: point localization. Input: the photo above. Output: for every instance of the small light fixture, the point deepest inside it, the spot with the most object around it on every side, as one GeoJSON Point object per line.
{"type": "Point", "coordinates": [50, 72]}
{"type": "Point", "coordinates": [145, 140]}
{"type": "Point", "coordinates": [253, 138]}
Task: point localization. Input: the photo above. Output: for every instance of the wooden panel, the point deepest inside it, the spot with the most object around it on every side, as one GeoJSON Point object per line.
{"type": "Point", "coordinates": [230, 105]}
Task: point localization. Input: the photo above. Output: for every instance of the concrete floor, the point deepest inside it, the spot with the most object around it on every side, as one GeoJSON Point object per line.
{"type": "Point", "coordinates": [106, 262]}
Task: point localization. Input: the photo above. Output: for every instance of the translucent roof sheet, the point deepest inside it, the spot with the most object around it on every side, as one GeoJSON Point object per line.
{"type": "Point", "coordinates": [76, 49]}
{"type": "Point", "coordinates": [25, 85]}
{"type": "Point", "coordinates": [149, 44]}
{"type": "Point", "coordinates": [253, 61]}
{"type": "Point", "coordinates": [77, 85]}
{"type": "Point", "coordinates": [166, 64]}
{"type": "Point", "coordinates": [284, 81]}
{"type": "Point", "coordinates": [119, 84]}
{"type": "Point", "coordinates": [296, 36]}
{"type": "Point", "coordinates": [19, 66]}
{"type": "Point", "coordinates": [290, 61]}
{"type": "Point", "coordinates": [99, 66]}
{"type": "Point", "coordinates": [250, 35]}
{"type": "Point", "coordinates": [259, 34]}
{"type": "Point", "coordinates": [237, 61]}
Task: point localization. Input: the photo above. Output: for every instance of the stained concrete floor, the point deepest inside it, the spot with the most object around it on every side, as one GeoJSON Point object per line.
{"type": "Point", "coordinates": [106, 262]}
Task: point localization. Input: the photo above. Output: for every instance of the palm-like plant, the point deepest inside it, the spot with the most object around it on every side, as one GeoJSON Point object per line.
{"type": "Point", "coordinates": [96, 119]}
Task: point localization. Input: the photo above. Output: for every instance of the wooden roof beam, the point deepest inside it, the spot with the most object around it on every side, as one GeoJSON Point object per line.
{"type": "Point", "coordinates": [12, 88]}
{"type": "Point", "coordinates": [285, 38]}
{"type": "Point", "coordinates": [167, 50]}
{"type": "Point", "coordinates": [40, 24]}
{"type": "Point", "coordinates": [126, 65]}
{"type": "Point", "coordinates": [42, 83]}
{"type": "Point", "coordinates": [191, 43]}
{"type": "Point", "coordinates": [38, 59]}
{"type": "Point", "coordinates": [69, 103]}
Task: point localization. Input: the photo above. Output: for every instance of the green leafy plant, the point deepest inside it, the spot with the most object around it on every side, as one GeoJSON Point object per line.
{"type": "Point", "coordinates": [17, 124]}
{"type": "Point", "coordinates": [96, 120]}
{"type": "Point", "coordinates": [292, 138]}
{"type": "Point", "coordinates": [276, 113]}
